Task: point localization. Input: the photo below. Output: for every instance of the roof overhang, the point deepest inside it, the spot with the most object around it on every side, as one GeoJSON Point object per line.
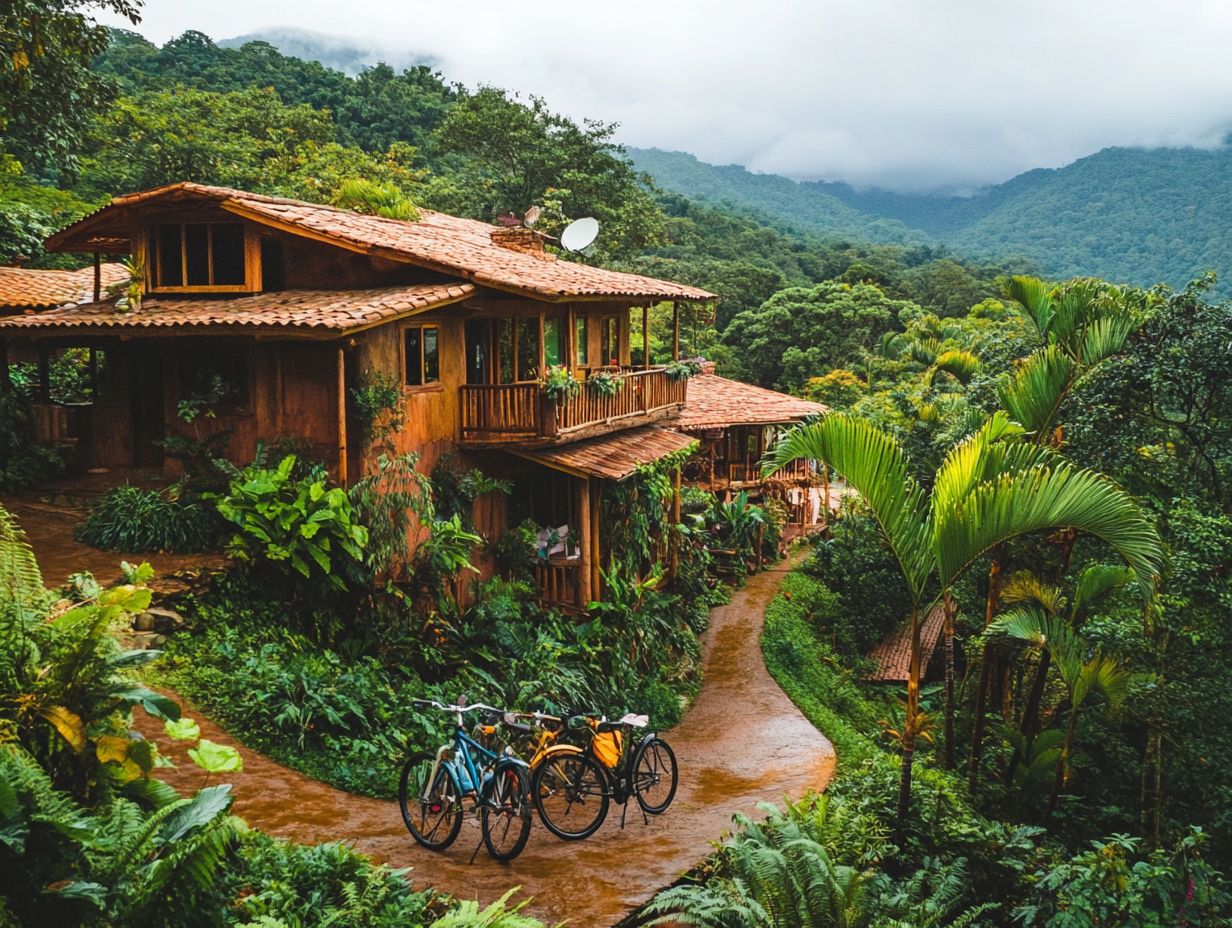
{"type": "Point", "coordinates": [616, 457]}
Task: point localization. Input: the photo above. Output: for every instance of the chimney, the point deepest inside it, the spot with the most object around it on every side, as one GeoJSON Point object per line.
{"type": "Point", "coordinates": [519, 238]}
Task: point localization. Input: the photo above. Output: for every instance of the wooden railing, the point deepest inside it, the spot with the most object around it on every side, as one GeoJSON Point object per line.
{"type": "Point", "coordinates": [749, 472]}
{"type": "Point", "coordinates": [520, 413]}
{"type": "Point", "coordinates": [503, 412]}
{"type": "Point", "coordinates": [559, 582]}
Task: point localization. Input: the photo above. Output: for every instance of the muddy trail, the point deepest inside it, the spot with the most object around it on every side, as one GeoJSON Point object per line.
{"type": "Point", "coordinates": [741, 742]}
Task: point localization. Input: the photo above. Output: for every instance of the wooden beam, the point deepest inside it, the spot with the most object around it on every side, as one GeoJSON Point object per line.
{"type": "Point", "coordinates": [596, 553]}
{"type": "Point", "coordinates": [585, 537]}
{"type": "Point", "coordinates": [44, 369]}
{"type": "Point", "coordinates": [98, 278]}
{"type": "Point", "coordinates": [646, 337]}
{"type": "Point", "coordinates": [675, 331]}
{"type": "Point", "coordinates": [6, 382]}
{"type": "Point", "coordinates": [342, 439]}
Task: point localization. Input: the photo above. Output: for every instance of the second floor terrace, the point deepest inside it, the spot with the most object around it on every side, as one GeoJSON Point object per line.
{"type": "Point", "coordinates": [604, 400]}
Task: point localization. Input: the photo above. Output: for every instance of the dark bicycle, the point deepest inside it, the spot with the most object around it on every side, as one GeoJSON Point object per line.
{"type": "Point", "coordinates": [604, 770]}
{"type": "Point", "coordinates": [433, 788]}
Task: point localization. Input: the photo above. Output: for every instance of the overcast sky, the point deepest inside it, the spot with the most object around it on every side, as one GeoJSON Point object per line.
{"type": "Point", "coordinates": [908, 94]}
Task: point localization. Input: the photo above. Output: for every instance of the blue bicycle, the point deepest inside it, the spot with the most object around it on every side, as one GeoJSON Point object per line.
{"type": "Point", "coordinates": [433, 788]}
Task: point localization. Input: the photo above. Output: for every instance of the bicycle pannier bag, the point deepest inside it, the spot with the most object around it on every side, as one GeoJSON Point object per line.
{"type": "Point", "coordinates": [607, 748]}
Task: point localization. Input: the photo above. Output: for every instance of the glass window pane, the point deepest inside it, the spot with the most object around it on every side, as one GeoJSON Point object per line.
{"type": "Point", "coordinates": [229, 253]}
{"type": "Point", "coordinates": [414, 358]}
{"type": "Point", "coordinates": [167, 243]}
{"type": "Point", "coordinates": [197, 254]}
{"type": "Point", "coordinates": [583, 342]}
{"type": "Point", "coordinates": [431, 355]}
{"type": "Point", "coordinates": [553, 341]}
{"type": "Point", "coordinates": [528, 348]}
{"type": "Point", "coordinates": [504, 343]}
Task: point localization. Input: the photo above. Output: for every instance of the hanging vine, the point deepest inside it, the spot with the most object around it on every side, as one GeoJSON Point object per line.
{"type": "Point", "coordinates": [634, 513]}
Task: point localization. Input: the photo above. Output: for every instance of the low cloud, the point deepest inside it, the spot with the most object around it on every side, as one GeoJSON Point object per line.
{"type": "Point", "coordinates": [906, 94]}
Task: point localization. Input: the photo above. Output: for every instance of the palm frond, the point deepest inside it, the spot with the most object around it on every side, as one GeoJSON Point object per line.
{"type": "Point", "coordinates": [1045, 498]}
{"type": "Point", "coordinates": [1034, 392]}
{"type": "Point", "coordinates": [1104, 337]}
{"type": "Point", "coordinates": [1095, 584]}
{"type": "Point", "coordinates": [961, 365]}
{"type": "Point", "coordinates": [1035, 296]}
{"type": "Point", "coordinates": [875, 466]}
{"type": "Point", "coordinates": [1025, 587]}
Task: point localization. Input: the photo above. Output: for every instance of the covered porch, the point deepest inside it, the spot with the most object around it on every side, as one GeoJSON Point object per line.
{"type": "Point", "coordinates": [561, 491]}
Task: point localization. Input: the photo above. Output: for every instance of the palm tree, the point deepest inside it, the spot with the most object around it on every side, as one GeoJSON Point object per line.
{"type": "Point", "coordinates": [1081, 325]}
{"type": "Point", "coordinates": [1082, 675]}
{"type": "Point", "coordinates": [986, 492]}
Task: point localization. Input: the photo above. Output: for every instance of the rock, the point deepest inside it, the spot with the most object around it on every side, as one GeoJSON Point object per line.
{"type": "Point", "coordinates": [165, 620]}
{"type": "Point", "coordinates": [143, 622]}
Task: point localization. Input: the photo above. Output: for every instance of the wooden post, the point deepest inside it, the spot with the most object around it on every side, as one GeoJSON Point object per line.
{"type": "Point", "coordinates": [6, 382]}
{"type": "Point", "coordinates": [342, 436]}
{"type": "Point", "coordinates": [543, 357]}
{"type": "Point", "coordinates": [675, 331]}
{"type": "Point", "coordinates": [596, 553]}
{"type": "Point", "coordinates": [825, 482]}
{"type": "Point", "coordinates": [44, 369]}
{"type": "Point", "coordinates": [98, 278]}
{"type": "Point", "coordinates": [646, 337]}
{"type": "Point", "coordinates": [585, 541]}
{"type": "Point", "coordinates": [570, 337]}
{"type": "Point", "coordinates": [675, 543]}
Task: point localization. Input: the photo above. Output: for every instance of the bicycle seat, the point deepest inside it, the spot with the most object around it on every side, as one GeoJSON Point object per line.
{"type": "Point", "coordinates": [635, 721]}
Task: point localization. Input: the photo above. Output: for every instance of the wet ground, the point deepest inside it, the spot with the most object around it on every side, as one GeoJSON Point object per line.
{"type": "Point", "coordinates": [741, 742]}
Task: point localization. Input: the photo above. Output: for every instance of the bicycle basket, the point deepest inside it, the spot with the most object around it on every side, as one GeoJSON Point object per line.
{"type": "Point", "coordinates": [606, 746]}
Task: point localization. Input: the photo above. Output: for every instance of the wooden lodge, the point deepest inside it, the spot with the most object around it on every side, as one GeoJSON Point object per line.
{"type": "Point", "coordinates": [736, 423]}
{"type": "Point", "coordinates": [289, 306]}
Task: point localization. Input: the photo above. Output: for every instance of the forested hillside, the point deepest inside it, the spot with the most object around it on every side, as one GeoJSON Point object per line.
{"type": "Point", "coordinates": [1131, 215]}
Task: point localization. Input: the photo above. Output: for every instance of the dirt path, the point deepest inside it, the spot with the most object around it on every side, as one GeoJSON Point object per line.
{"type": "Point", "coordinates": [741, 742]}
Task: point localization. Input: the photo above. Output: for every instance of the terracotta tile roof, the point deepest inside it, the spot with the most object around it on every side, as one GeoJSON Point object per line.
{"type": "Point", "coordinates": [315, 313]}
{"type": "Point", "coordinates": [614, 456]}
{"type": "Point", "coordinates": [435, 240]}
{"type": "Point", "coordinates": [893, 656]}
{"type": "Point", "coordinates": [29, 288]}
{"type": "Point", "coordinates": [716, 402]}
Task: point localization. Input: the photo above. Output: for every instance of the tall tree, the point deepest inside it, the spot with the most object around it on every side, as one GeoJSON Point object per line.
{"type": "Point", "coordinates": [47, 88]}
{"type": "Point", "coordinates": [986, 492]}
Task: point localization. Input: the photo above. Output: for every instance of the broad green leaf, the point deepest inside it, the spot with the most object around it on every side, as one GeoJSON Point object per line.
{"type": "Point", "coordinates": [198, 812]}
{"type": "Point", "coordinates": [216, 758]}
{"type": "Point", "coordinates": [182, 729]}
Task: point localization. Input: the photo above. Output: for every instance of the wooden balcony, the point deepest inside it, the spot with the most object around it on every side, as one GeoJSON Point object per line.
{"type": "Point", "coordinates": [746, 475]}
{"type": "Point", "coordinates": [519, 413]}
{"type": "Point", "coordinates": [559, 582]}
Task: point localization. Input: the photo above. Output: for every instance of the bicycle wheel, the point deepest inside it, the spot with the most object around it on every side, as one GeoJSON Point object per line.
{"type": "Point", "coordinates": [570, 793]}
{"type": "Point", "coordinates": [506, 813]}
{"type": "Point", "coordinates": [654, 776]}
{"type": "Point", "coordinates": [433, 815]}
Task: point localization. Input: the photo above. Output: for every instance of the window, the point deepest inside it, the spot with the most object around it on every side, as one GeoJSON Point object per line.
{"type": "Point", "coordinates": [216, 374]}
{"type": "Point", "coordinates": [528, 348]}
{"type": "Point", "coordinates": [199, 255]}
{"type": "Point", "coordinates": [423, 355]}
{"type": "Point", "coordinates": [609, 340]}
{"type": "Point", "coordinates": [553, 341]}
{"type": "Point", "coordinates": [583, 342]}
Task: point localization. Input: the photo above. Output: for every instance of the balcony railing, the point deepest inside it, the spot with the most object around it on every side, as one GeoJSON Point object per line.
{"type": "Point", "coordinates": [519, 413]}
{"type": "Point", "coordinates": [559, 581]}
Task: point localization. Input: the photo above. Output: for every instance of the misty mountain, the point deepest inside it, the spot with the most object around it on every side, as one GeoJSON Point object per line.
{"type": "Point", "coordinates": [341, 53]}
{"type": "Point", "coordinates": [1134, 215]}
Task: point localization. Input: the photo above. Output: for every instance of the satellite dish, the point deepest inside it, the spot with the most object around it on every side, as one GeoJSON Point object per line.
{"type": "Point", "coordinates": [579, 234]}
{"type": "Point", "coordinates": [531, 217]}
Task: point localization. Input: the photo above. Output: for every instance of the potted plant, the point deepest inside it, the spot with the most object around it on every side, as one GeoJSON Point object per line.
{"type": "Point", "coordinates": [559, 384]}
{"type": "Point", "coordinates": [604, 383]}
{"type": "Point", "coordinates": [684, 368]}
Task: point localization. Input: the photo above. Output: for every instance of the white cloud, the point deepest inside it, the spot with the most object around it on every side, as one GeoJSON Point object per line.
{"type": "Point", "coordinates": [900, 93]}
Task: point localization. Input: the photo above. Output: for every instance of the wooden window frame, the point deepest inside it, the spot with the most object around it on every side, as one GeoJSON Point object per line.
{"type": "Point", "coordinates": [421, 387]}
{"type": "Point", "coordinates": [252, 259]}
{"type": "Point", "coordinates": [581, 338]}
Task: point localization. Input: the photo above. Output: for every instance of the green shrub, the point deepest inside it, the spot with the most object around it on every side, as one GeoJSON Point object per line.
{"type": "Point", "coordinates": [323, 884]}
{"type": "Point", "coordinates": [138, 520]}
{"type": "Point", "coordinates": [291, 525]}
{"type": "Point", "coordinates": [873, 598]}
{"type": "Point", "coordinates": [23, 461]}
